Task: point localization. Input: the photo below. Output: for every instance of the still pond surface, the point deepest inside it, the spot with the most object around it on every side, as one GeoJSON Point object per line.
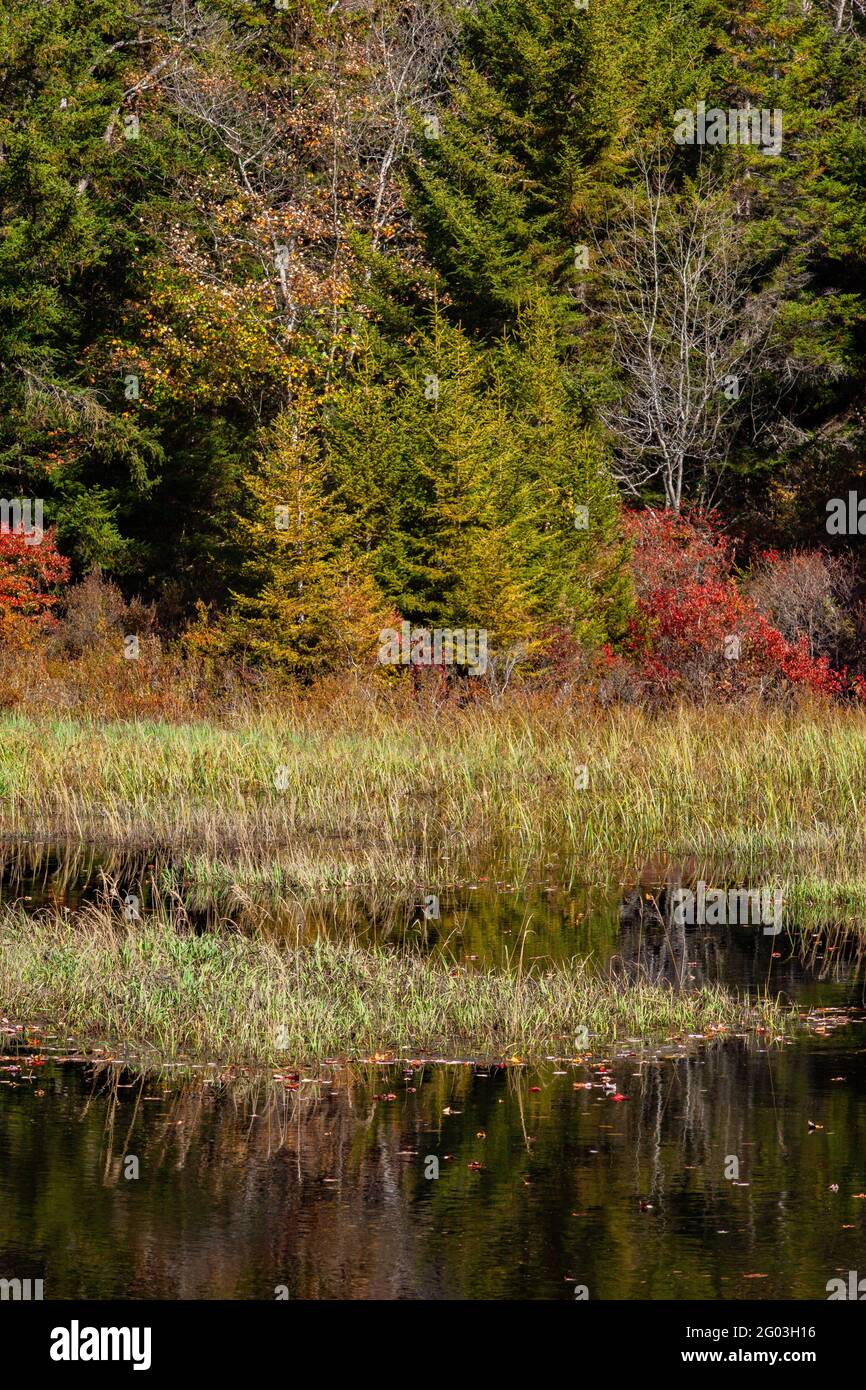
{"type": "Point", "coordinates": [718, 1170]}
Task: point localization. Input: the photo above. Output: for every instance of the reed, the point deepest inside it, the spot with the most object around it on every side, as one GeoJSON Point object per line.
{"type": "Point", "coordinates": [157, 988]}
{"type": "Point", "coordinates": [309, 797]}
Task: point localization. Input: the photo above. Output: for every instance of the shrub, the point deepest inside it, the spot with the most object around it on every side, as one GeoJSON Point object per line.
{"type": "Point", "coordinates": [28, 576]}
{"type": "Point", "coordinates": [95, 613]}
{"type": "Point", "coordinates": [807, 594]}
{"type": "Point", "coordinates": [696, 633]}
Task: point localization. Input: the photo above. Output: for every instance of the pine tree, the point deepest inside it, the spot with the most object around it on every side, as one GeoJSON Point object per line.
{"type": "Point", "coordinates": [473, 470]}
{"type": "Point", "coordinates": [474, 463]}
{"type": "Point", "coordinates": [804, 211]}
{"type": "Point", "coordinates": [377, 447]}
{"type": "Point", "coordinates": [533, 139]}
{"type": "Point", "coordinates": [415, 445]}
{"type": "Point", "coordinates": [492, 193]}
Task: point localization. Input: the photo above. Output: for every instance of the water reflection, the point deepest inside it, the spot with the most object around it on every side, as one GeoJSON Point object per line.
{"type": "Point", "coordinates": [490, 921]}
{"type": "Point", "coordinates": [546, 1180]}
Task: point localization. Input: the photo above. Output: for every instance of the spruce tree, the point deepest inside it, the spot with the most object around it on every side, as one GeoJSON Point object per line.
{"type": "Point", "coordinates": [492, 192]}
{"type": "Point", "coordinates": [465, 474]}
{"type": "Point", "coordinates": [474, 473]}
{"type": "Point", "coordinates": [573, 550]}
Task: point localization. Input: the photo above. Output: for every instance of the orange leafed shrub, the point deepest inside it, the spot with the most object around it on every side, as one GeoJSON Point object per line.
{"type": "Point", "coordinates": [30, 573]}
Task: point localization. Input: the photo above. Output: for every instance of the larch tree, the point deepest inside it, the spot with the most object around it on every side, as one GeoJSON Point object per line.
{"type": "Point", "coordinates": [308, 605]}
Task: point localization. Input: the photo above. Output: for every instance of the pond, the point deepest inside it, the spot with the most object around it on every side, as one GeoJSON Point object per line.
{"type": "Point", "coordinates": [711, 1170]}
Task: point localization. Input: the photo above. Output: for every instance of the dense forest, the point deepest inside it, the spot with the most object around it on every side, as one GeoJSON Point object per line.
{"type": "Point", "coordinates": [545, 319]}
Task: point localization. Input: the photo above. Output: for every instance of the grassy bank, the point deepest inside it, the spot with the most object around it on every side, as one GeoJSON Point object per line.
{"type": "Point", "coordinates": [380, 793]}
{"type": "Point", "coordinates": [222, 996]}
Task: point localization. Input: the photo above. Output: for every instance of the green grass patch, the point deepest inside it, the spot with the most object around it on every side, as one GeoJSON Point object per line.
{"type": "Point", "coordinates": [157, 988]}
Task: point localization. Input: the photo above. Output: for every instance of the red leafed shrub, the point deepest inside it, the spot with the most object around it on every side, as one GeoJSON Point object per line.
{"type": "Point", "coordinates": [28, 573]}
{"type": "Point", "coordinates": [695, 632]}
{"type": "Point", "coordinates": [673, 549]}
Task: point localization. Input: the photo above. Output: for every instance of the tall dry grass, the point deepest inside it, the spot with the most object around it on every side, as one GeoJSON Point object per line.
{"type": "Point", "coordinates": [368, 788]}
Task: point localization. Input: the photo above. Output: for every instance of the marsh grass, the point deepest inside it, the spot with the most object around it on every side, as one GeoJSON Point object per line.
{"type": "Point", "coordinates": [817, 903]}
{"type": "Point", "coordinates": [156, 987]}
{"type": "Point", "coordinates": [383, 795]}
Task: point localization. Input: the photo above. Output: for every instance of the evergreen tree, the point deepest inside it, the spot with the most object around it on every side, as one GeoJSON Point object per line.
{"type": "Point", "coordinates": [570, 531]}
{"type": "Point", "coordinates": [66, 261]}
{"type": "Point", "coordinates": [805, 218]}
{"type": "Point", "coordinates": [477, 514]}
{"type": "Point", "coordinates": [533, 140]}
{"type": "Point", "coordinates": [493, 192]}
{"type": "Point", "coordinates": [309, 605]}
{"type": "Point", "coordinates": [474, 463]}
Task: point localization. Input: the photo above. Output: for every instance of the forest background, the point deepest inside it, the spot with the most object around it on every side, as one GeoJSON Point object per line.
{"type": "Point", "coordinates": [320, 319]}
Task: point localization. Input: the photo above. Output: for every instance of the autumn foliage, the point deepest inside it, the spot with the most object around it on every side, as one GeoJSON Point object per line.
{"type": "Point", "coordinates": [696, 632]}
{"type": "Point", "coordinates": [30, 574]}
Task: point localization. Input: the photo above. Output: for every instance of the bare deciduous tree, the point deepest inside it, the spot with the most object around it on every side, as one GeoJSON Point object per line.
{"type": "Point", "coordinates": [846, 13]}
{"type": "Point", "coordinates": [688, 329]}
{"type": "Point", "coordinates": [410, 55]}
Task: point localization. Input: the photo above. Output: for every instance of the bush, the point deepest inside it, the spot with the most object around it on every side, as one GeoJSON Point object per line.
{"type": "Point", "coordinates": [808, 594]}
{"type": "Point", "coordinates": [697, 634]}
{"type": "Point", "coordinates": [28, 575]}
{"type": "Point", "coordinates": [95, 614]}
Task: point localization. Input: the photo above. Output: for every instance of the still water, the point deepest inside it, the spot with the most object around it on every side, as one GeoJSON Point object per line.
{"type": "Point", "coordinates": [723, 1170]}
